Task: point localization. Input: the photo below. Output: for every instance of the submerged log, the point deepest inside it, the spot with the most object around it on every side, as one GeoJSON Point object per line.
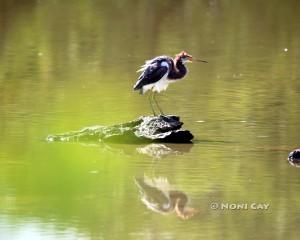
{"type": "Point", "coordinates": [143, 129]}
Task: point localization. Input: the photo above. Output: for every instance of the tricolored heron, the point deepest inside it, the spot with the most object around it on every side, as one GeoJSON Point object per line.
{"type": "Point", "coordinates": [158, 72]}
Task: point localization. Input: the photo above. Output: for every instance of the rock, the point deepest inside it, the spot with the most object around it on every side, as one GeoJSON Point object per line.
{"type": "Point", "coordinates": [143, 129]}
{"type": "Point", "coordinates": [294, 158]}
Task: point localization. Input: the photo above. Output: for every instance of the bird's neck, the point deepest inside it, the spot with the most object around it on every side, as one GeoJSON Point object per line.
{"type": "Point", "coordinates": [178, 71]}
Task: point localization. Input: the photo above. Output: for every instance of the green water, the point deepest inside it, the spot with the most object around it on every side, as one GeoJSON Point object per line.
{"type": "Point", "coordinates": [65, 65]}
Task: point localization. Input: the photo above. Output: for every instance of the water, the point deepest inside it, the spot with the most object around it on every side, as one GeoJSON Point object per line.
{"type": "Point", "coordinates": [64, 66]}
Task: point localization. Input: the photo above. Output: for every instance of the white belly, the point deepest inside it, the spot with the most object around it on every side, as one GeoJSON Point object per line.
{"type": "Point", "coordinates": [159, 86]}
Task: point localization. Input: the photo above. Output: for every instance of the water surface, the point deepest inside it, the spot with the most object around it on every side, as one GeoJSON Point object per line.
{"type": "Point", "coordinates": [64, 66]}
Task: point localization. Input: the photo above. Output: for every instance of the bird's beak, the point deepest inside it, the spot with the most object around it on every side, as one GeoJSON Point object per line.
{"type": "Point", "coordinates": [197, 60]}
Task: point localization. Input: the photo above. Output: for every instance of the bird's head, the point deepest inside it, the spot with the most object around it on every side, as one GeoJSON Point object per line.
{"type": "Point", "coordinates": [184, 57]}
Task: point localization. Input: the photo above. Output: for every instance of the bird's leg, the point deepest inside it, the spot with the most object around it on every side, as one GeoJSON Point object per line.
{"type": "Point", "coordinates": [161, 112]}
{"type": "Point", "coordinates": [150, 101]}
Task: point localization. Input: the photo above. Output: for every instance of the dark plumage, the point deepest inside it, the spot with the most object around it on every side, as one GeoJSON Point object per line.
{"type": "Point", "coordinates": [153, 71]}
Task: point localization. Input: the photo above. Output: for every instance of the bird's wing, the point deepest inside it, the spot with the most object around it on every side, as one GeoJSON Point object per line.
{"type": "Point", "coordinates": [147, 64]}
{"type": "Point", "coordinates": [158, 59]}
{"type": "Point", "coordinates": [153, 71]}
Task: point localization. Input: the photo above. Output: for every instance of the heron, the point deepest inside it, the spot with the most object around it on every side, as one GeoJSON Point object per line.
{"type": "Point", "coordinates": [159, 72]}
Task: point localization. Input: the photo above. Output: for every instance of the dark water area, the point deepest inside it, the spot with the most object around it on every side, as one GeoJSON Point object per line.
{"type": "Point", "coordinates": [65, 65]}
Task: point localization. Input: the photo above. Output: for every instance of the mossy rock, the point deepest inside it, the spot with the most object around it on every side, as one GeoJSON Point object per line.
{"type": "Point", "coordinates": [143, 129]}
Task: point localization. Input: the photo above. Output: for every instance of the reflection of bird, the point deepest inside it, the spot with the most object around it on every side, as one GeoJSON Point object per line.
{"type": "Point", "coordinates": [158, 72]}
{"type": "Point", "coordinates": [158, 195]}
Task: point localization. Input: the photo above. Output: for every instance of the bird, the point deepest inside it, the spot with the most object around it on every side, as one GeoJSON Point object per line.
{"type": "Point", "coordinates": [159, 72]}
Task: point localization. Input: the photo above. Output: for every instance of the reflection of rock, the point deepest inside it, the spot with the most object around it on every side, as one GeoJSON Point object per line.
{"type": "Point", "coordinates": [294, 158]}
{"type": "Point", "coordinates": [161, 150]}
{"type": "Point", "coordinates": [159, 196]}
{"type": "Point", "coordinates": [144, 129]}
